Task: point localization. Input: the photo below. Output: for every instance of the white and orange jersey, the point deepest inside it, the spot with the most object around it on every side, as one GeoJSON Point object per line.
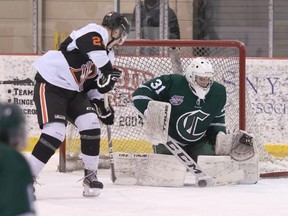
{"type": "Point", "coordinates": [75, 66]}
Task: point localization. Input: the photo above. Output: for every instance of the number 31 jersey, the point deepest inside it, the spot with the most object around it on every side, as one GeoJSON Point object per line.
{"type": "Point", "coordinates": [191, 119]}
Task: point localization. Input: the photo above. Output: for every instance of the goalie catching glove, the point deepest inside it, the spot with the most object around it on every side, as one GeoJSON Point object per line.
{"type": "Point", "coordinates": [108, 80]}
{"type": "Point", "coordinates": [105, 115]}
{"type": "Point", "coordinates": [242, 146]}
{"type": "Point", "coordinates": [239, 145]}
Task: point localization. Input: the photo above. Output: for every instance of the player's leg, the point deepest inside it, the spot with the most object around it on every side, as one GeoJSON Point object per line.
{"type": "Point", "coordinates": [51, 120]}
{"type": "Point", "coordinates": [86, 120]}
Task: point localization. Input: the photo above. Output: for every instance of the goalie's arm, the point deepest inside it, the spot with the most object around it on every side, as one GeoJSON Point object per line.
{"type": "Point", "coordinates": [218, 125]}
{"type": "Point", "coordinates": [155, 89]}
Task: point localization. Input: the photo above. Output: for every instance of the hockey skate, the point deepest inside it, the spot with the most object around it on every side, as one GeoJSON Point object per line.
{"type": "Point", "coordinates": [92, 187]}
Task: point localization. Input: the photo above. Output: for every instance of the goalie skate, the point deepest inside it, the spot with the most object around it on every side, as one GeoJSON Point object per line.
{"type": "Point", "coordinates": [92, 187]}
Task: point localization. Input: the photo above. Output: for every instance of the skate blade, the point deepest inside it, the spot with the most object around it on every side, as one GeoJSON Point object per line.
{"type": "Point", "coordinates": [91, 192]}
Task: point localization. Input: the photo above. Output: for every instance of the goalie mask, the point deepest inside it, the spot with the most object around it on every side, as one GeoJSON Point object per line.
{"type": "Point", "coordinates": [119, 26]}
{"type": "Point", "coordinates": [12, 126]}
{"type": "Point", "coordinates": [199, 75]}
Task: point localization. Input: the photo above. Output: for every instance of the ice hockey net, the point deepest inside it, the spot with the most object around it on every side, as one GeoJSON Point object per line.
{"type": "Point", "coordinates": [142, 60]}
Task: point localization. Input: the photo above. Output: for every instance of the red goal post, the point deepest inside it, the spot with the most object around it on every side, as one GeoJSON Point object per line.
{"type": "Point", "coordinates": [142, 60]}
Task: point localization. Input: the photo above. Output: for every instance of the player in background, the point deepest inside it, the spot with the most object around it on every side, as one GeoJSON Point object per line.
{"type": "Point", "coordinates": [70, 84]}
{"type": "Point", "coordinates": [16, 182]}
{"type": "Point", "coordinates": [197, 101]}
{"type": "Point", "coordinates": [150, 20]}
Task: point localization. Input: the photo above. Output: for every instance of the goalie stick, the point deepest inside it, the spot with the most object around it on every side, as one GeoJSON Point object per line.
{"type": "Point", "coordinates": [156, 128]}
{"type": "Point", "coordinates": [202, 178]}
{"type": "Point", "coordinates": [110, 146]}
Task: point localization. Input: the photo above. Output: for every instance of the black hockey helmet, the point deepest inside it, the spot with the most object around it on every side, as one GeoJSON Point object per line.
{"type": "Point", "coordinates": [12, 125]}
{"type": "Point", "coordinates": [114, 20]}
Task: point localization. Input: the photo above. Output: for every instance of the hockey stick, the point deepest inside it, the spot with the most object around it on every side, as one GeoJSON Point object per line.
{"type": "Point", "coordinates": [203, 179]}
{"type": "Point", "coordinates": [156, 128]}
{"type": "Point", "coordinates": [110, 146]}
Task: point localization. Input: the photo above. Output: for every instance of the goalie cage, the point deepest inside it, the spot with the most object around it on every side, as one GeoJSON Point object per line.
{"type": "Point", "coordinates": [142, 60]}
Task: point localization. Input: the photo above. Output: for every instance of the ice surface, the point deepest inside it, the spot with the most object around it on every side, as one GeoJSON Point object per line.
{"type": "Point", "coordinates": [61, 194]}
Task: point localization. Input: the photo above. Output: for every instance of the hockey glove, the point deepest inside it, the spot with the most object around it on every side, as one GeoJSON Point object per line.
{"type": "Point", "coordinates": [242, 146]}
{"type": "Point", "coordinates": [106, 116]}
{"type": "Point", "coordinates": [108, 80]}
{"type": "Point", "coordinates": [116, 74]}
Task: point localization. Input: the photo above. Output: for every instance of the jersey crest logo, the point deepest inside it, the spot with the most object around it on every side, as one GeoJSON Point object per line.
{"type": "Point", "coordinates": [86, 71]}
{"type": "Point", "coordinates": [189, 123]}
{"type": "Point", "coordinates": [176, 100]}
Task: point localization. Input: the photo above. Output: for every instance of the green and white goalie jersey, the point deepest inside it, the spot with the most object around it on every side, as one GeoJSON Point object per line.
{"type": "Point", "coordinates": [192, 120]}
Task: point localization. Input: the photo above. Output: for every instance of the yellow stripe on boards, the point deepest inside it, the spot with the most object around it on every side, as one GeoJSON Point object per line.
{"type": "Point", "coordinates": [277, 150]}
{"type": "Point", "coordinates": [141, 146]}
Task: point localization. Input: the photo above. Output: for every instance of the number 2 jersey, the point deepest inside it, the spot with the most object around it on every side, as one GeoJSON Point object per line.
{"type": "Point", "coordinates": [75, 66]}
{"type": "Point", "coordinates": [192, 119]}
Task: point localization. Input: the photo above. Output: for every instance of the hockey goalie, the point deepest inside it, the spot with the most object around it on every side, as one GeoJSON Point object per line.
{"type": "Point", "coordinates": [196, 124]}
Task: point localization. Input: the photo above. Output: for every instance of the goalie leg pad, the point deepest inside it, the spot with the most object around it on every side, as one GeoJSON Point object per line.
{"type": "Point", "coordinates": [251, 169]}
{"type": "Point", "coordinates": [222, 168]}
{"type": "Point", "coordinates": [149, 170]}
{"type": "Point", "coordinates": [226, 170]}
{"type": "Point", "coordinates": [124, 168]}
